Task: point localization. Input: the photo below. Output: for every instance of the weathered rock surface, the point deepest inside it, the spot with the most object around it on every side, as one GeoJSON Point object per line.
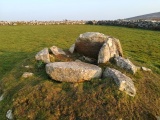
{"type": "Point", "coordinates": [43, 55]}
{"type": "Point", "coordinates": [99, 46]}
{"type": "Point", "coordinates": [90, 43]}
{"type": "Point", "coordinates": [110, 49]}
{"type": "Point", "coordinates": [57, 51]}
{"type": "Point", "coordinates": [27, 75]}
{"type": "Point", "coordinates": [73, 71]}
{"type": "Point", "coordinates": [77, 60]}
{"type": "Point", "coordinates": [125, 83]}
{"type": "Point", "coordinates": [9, 115]}
{"type": "Point", "coordinates": [126, 64]}
{"type": "Point", "coordinates": [71, 49]}
{"type": "Point", "coordinates": [104, 54]}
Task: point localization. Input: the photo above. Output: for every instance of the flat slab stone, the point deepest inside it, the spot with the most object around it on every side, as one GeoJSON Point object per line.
{"type": "Point", "coordinates": [73, 71]}
{"type": "Point", "coordinates": [124, 82]}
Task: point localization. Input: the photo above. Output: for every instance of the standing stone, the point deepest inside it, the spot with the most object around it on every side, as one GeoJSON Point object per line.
{"type": "Point", "coordinates": [43, 55]}
{"type": "Point", "coordinates": [73, 71]}
{"type": "Point", "coordinates": [118, 46]}
{"type": "Point", "coordinates": [57, 51]}
{"type": "Point", "coordinates": [110, 49]}
{"type": "Point", "coordinates": [125, 83]}
{"type": "Point", "coordinates": [90, 43]}
{"type": "Point", "coordinates": [52, 58]}
{"type": "Point", "coordinates": [126, 64]}
{"type": "Point", "coordinates": [71, 49]}
{"type": "Point", "coordinates": [104, 54]}
{"type": "Point", "coordinates": [99, 46]}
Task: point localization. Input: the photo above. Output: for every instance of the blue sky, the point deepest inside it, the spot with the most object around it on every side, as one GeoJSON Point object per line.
{"type": "Point", "coordinates": [12, 10]}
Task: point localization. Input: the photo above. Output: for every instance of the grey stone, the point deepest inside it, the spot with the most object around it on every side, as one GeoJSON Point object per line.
{"type": "Point", "coordinates": [43, 55]}
{"type": "Point", "coordinates": [125, 83]}
{"type": "Point", "coordinates": [104, 54]}
{"type": "Point", "coordinates": [146, 69]}
{"type": "Point", "coordinates": [110, 49]}
{"type": "Point", "coordinates": [9, 115]}
{"type": "Point", "coordinates": [89, 43]}
{"type": "Point", "coordinates": [1, 97]}
{"type": "Point", "coordinates": [125, 64]}
{"type": "Point", "coordinates": [57, 51]}
{"type": "Point", "coordinates": [73, 71]}
{"type": "Point", "coordinates": [71, 49]}
{"type": "Point", "coordinates": [28, 66]}
{"type": "Point", "coordinates": [27, 75]}
{"type": "Point", "coordinates": [118, 46]}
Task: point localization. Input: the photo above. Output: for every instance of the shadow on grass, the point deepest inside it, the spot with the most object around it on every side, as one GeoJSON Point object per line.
{"type": "Point", "coordinates": [9, 59]}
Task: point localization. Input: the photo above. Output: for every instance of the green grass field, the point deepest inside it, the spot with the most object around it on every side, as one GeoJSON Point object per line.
{"type": "Point", "coordinates": [41, 98]}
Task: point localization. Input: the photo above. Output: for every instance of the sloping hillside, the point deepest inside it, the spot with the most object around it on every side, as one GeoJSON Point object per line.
{"type": "Point", "coordinates": [151, 16]}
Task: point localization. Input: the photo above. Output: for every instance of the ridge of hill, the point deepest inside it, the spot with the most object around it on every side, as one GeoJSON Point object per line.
{"type": "Point", "coordinates": [151, 16]}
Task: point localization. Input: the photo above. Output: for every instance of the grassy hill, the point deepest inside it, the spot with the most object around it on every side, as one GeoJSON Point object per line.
{"type": "Point", "coordinates": [151, 16]}
{"type": "Point", "coordinates": [41, 98]}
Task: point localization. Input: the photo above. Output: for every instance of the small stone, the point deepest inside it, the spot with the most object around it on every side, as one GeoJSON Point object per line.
{"type": "Point", "coordinates": [9, 115]}
{"type": "Point", "coordinates": [27, 75]}
{"type": "Point", "coordinates": [146, 69]}
{"type": "Point", "coordinates": [57, 51]}
{"type": "Point", "coordinates": [158, 117]}
{"type": "Point", "coordinates": [1, 97]}
{"type": "Point", "coordinates": [27, 66]}
{"type": "Point", "coordinates": [43, 55]}
{"type": "Point", "coordinates": [71, 49]}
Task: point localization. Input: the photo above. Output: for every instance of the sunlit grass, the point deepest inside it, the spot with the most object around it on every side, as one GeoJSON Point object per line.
{"type": "Point", "coordinates": [97, 99]}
